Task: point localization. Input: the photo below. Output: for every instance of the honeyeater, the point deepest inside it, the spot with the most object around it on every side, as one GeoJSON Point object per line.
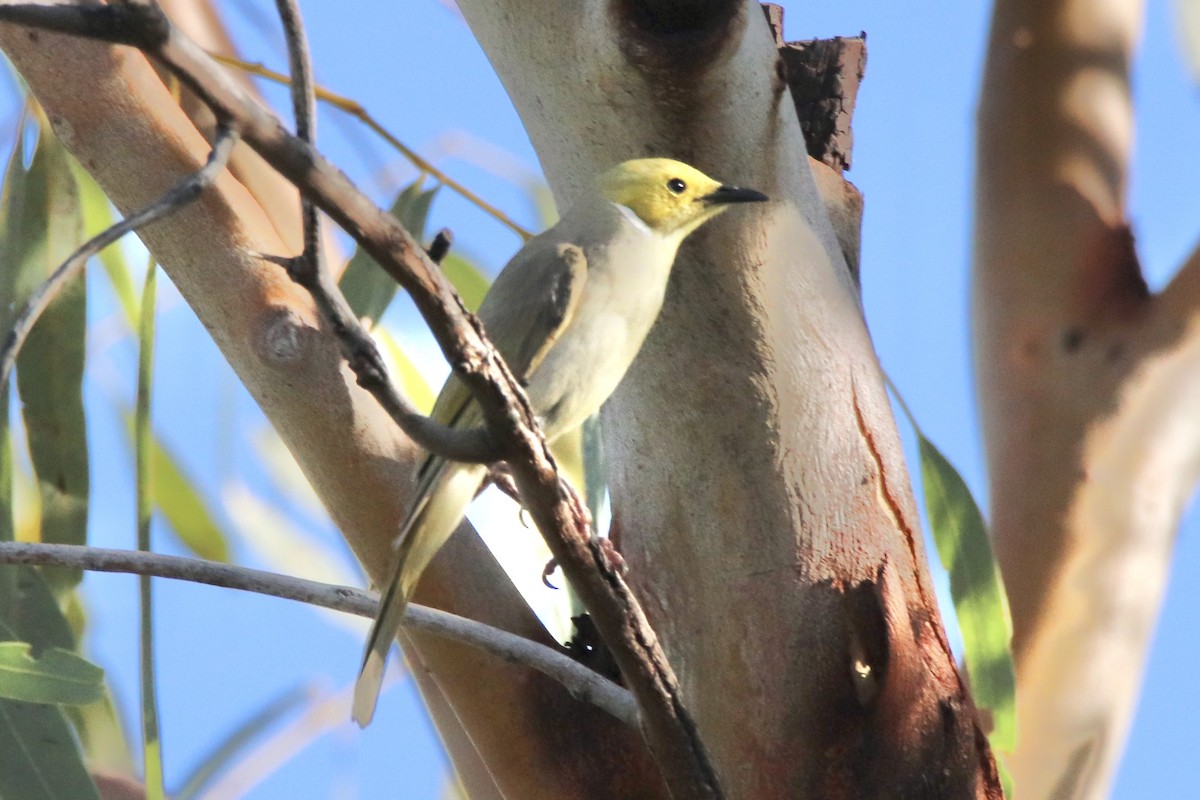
{"type": "Point", "coordinates": [569, 312]}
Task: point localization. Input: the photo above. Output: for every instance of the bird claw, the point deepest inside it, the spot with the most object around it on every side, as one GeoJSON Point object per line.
{"type": "Point", "coordinates": [547, 571]}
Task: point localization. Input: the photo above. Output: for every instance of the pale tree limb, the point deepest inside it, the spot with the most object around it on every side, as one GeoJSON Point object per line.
{"type": "Point", "coordinates": [580, 681]}
{"type": "Point", "coordinates": [1088, 385]}
{"type": "Point", "coordinates": [278, 198]}
{"type": "Point", "coordinates": [765, 512]}
{"type": "Point", "coordinates": [669, 731]}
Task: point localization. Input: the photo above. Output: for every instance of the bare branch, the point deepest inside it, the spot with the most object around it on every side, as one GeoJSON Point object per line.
{"type": "Point", "coordinates": [581, 682]}
{"type": "Point", "coordinates": [669, 730]}
{"type": "Point", "coordinates": [180, 195]}
{"type": "Point", "coordinates": [304, 106]}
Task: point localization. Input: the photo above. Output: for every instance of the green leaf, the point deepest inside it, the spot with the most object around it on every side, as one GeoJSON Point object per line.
{"type": "Point", "coordinates": [56, 676]}
{"type": "Point", "coordinates": [595, 477]}
{"type": "Point", "coordinates": [103, 736]}
{"type": "Point", "coordinates": [39, 759]}
{"type": "Point", "coordinates": [143, 482]}
{"type": "Point", "coordinates": [35, 616]}
{"type": "Point", "coordinates": [412, 382]}
{"type": "Point", "coordinates": [97, 217]}
{"type": "Point", "coordinates": [976, 589]}
{"type": "Point", "coordinates": [366, 286]}
{"type": "Point", "coordinates": [542, 200]}
{"type": "Point", "coordinates": [467, 279]}
{"type": "Point", "coordinates": [236, 742]}
{"type": "Point", "coordinates": [184, 507]}
{"type": "Point", "coordinates": [1006, 779]}
{"type": "Point", "coordinates": [50, 366]}
{"type": "Point", "coordinates": [181, 502]}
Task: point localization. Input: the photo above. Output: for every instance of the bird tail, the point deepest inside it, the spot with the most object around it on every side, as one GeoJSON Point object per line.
{"type": "Point", "coordinates": [433, 517]}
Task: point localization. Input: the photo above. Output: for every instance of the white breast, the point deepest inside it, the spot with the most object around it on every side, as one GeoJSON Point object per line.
{"type": "Point", "coordinates": [627, 280]}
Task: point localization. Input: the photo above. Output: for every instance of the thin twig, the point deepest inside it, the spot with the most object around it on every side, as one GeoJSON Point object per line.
{"type": "Point", "coordinates": [581, 682]}
{"type": "Point", "coordinates": [355, 109]}
{"type": "Point", "coordinates": [668, 728]}
{"type": "Point", "coordinates": [309, 270]}
{"type": "Point", "coordinates": [304, 108]}
{"type": "Point", "coordinates": [180, 195]}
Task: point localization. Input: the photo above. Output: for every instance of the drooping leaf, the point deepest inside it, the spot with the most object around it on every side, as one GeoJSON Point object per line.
{"type": "Point", "coordinates": [980, 602]}
{"type": "Point", "coordinates": [368, 288]}
{"type": "Point", "coordinates": [412, 382]}
{"type": "Point", "coordinates": [543, 203]}
{"type": "Point", "coordinates": [39, 759]}
{"type": "Point", "coordinates": [50, 366]}
{"type": "Point", "coordinates": [98, 216]}
{"type": "Point", "coordinates": [35, 616]}
{"type": "Point", "coordinates": [568, 452]}
{"type": "Point", "coordinates": [55, 676]}
{"type": "Point", "coordinates": [103, 735]}
{"type": "Point", "coordinates": [235, 744]}
{"type": "Point", "coordinates": [595, 478]}
{"type": "Point", "coordinates": [182, 504]}
{"type": "Point", "coordinates": [466, 278]}
{"type": "Point", "coordinates": [143, 445]}
{"type": "Point", "coordinates": [286, 548]}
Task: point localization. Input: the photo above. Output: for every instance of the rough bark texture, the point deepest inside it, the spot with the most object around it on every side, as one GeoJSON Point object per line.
{"type": "Point", "coordinates": [1088, 384]}
{"type": "Point", "coordinates": [760, 496]}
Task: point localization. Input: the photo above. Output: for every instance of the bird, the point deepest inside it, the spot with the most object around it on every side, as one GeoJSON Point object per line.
{"type": "Point", "coordinates": [569, 312]}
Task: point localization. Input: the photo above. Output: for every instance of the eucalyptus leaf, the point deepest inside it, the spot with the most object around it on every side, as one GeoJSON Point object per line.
{"type": "Point", "coordinates": [55, 676]}
{"type": "Point", "coordinates": [412, 382]}
{"type": "Point", "coordinates": [97, 217]}
{"type": "Point", "coordinates": [182, 503]}
{"type": "Point", "coordinates": [143, 445]}
{"type": "Point", "coordinates": [103, 735]}
{"type": "Point", "coordinates": [369, 289]}
{"type": "Point", "coordinates": [35, 616]}
{"type": "Point", "coordinates": [39, 759]}
{"type": "Point", "coordinates": [235, 743]}
{"type": "Point", "coordinates": [50, 365]}
{"type": "Point", "coordinates": [466, 278]}
{"type": "Point", "coordinates": [980, 602]}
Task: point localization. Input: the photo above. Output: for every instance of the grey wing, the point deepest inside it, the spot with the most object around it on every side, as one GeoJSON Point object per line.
{"type": "Point", "coordinates": [524, 313]}
{"type": "Point", "coordinates": [532, 303]}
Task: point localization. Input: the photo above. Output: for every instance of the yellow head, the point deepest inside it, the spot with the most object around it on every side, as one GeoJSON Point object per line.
{"type": "Point", "coordinates": [669, 196]}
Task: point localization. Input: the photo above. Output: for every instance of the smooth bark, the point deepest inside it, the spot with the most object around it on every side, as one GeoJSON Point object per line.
{"type": "Point", "coordinates": [759, 493]}
{"type": "Point", "coordinates": [1088, 384]}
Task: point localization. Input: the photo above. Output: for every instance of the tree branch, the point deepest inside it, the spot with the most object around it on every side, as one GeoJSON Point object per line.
{"type": "Point", "coordinates": [1086, 384]}
{"type": "Point", "coordinates": [668, 727]}
{"type": "Point", "coordinates": [581, 682]}
{"type": "Point", "coordinates": [180, 195]}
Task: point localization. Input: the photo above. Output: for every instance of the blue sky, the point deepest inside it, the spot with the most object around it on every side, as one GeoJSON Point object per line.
{"type": "Point", "coordinates": [222, 655]}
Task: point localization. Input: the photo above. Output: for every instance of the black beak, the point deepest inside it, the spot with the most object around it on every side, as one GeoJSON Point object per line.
{"type": "Point", "coordinates": [732, 194]}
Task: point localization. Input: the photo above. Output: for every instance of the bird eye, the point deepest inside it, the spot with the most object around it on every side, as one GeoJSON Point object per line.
{"type": "Point", "coordinates": [676, 186]}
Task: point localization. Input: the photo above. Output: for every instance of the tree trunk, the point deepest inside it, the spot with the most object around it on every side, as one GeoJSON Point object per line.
{"type": "Point", "coordinates": [1088, 384]}
{"type": "Point", "coordinates": [759, 492]}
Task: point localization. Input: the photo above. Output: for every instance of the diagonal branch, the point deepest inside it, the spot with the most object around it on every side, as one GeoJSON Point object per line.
{"type": "Point", "coordinates": [668, 727]}
{"type": "Point", "coordinates": [581, 682]}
